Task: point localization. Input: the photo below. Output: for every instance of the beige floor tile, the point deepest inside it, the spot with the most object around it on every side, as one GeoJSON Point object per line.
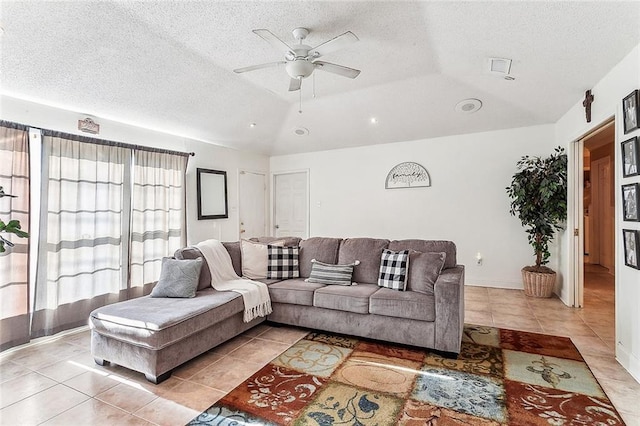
{"type": "Point", "coordinates": [592, 345]}
{"type": "Point", "coordinates": [288, 335]}
{"type": "Point", "coordinates": [259, 351]}
{"type": "Point", "coordinates": [63, 370]}
{"type": "Point", "coordinates": [504, 293]}
{"type": "Point", "coordinates": [23, 387]}
{"type": "Point", "coordinates": [566, 327]}
{"type": "Point", "coordinates": [81, 338]}
{"type": "Point", "coordinates": [46, 354]}
{"type": "Point", "coordinates": [476, 290]}
{"type": "Point", "coordinates": [478, 318]}
{"type": "Point", "coordinates": [623, 394]}
{"type": "Point", "coordinates": [193, 395]}
{"type": "Point", "coordinates": [520, 310]}
{"type": "Point", "coordinates": [190, 368]}
{"type": "Point", "coordinates": [42, 406]}
{"type": "Point", "coordinates": [230, 345]}
{"type": "Point", "coordinates": [95, 413]}
{"type": "Point", "coordinates": [127, 397]}
{"type": "Point", "coordinates": [91, 383]}
{"type": "Point", "coordinates": [257, 330]}
{"type": "Point", "coordinates": [516, 322]}
{"type": "Point", "coordinates": [606, 367]}
{"type": "Point", "coordinates": [164, 412]}
{"type": "Point", "coordinates": [477, 305]}
{"type": "Point", "coordinates": [630, 419]}
{"type": "Point", "coordinates": [226, 373]}
{"type": "Point", "coordinates": [10, 370]}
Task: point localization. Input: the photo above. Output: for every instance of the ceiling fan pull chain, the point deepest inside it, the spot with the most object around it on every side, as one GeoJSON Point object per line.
{"type": "Point", "coordinates": [300, 96]}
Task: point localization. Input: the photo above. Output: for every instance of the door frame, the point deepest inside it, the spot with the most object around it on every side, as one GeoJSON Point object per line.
{"type": "Point", "coordinates": [266, 200]}
{"type": "Point", "coordinates": [575, 222]}
{"type": "Point", "coordinates": [273, 199]}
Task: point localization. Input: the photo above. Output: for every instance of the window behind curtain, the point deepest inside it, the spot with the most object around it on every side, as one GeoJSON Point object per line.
{"type": "Point", "coordinates": [158, 216]}
{"type": "Point", "coordinates": [82, 256]}
{"type": "Point", "coordinates": [14, 270]}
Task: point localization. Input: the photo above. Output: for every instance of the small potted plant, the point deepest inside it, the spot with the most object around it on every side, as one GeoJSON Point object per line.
{"type": "Point", "coordinates": [11, 227]}
{"type": "Point", "coordinates": [538, 193]}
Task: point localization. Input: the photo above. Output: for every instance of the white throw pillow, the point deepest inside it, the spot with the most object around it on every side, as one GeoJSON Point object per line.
{"type": "Point", "coordinates": [255, 258]}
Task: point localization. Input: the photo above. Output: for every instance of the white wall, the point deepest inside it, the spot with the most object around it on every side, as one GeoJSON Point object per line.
{"type": "Point", "coordinates": [467, 202]}
{"type": "Point", "coordinates": [608, 94]}
{"type": "Point", "coordinates": [207, 156]}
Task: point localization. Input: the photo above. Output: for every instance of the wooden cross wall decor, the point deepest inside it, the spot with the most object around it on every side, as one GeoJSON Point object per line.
{"type": "Point", "coordinates": [588, 100]}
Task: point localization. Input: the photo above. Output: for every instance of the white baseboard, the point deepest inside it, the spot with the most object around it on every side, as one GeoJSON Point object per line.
{"type": "Point", "coordinates": [514, 285]}
{"type": "Point", "coordinates": [630, 362]}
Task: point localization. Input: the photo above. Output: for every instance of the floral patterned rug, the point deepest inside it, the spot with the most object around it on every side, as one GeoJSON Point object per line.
{"type": "Point", "coordinates": [501, 377]}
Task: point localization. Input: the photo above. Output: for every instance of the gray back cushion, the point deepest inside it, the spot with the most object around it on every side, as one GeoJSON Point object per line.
{"type": "Point", "coordinates": [236, 256]}
{"type": "Point", "coordinates": [319, 248]}
{"type": "Point", "coordinates": [428, 246]}
{"type": "Point", "coordinates": [424, 270]}
{"type": "Point", "coordinates": [288, 241]}
{"type": "Point", "coordinates": [194, 253]}
{"type": "Point", "coordinates": [178, 278]}
{"type": "Point", "coordinates": [369, 252]}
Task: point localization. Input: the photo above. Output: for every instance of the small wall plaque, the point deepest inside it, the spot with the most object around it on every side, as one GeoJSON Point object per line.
{"type": "Point", "coordinates": [407, 175]}
{"type": "Point", "coordinates": [89, 126]}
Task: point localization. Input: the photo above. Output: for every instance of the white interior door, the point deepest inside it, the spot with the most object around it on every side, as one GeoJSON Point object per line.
{"type": "Point", "coordinates": [291, 205]}
{"type": "Point", "coordinates": [578, 223]}
{"type": "Point", "coordinates": [252, 203]}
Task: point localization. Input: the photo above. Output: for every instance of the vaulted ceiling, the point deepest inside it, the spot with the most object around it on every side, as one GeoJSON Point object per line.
{"type": "Point", "coordinates": [168, 65]}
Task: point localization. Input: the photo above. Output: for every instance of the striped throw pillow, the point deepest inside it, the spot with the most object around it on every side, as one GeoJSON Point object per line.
{"type": "Point", "coordinates": [325, 273]}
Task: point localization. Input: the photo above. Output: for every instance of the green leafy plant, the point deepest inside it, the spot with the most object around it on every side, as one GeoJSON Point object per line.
{"type": "Point", "coordinates": [11, 227]}
{"type": "Point", "coordinates": [538, 193]}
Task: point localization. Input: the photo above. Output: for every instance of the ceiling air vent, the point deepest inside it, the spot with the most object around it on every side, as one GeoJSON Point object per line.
{"type": "Point", "coordinates": [500, 67]}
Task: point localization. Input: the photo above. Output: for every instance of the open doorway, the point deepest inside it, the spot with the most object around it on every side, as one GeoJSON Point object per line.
{"type": "Point", "coordinates": [599, 226]}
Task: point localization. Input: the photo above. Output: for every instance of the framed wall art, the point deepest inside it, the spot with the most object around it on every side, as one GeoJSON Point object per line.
{"type": "Point", "coordinates": [631, 239]}
{"type": "Point", "coordinates": [631, 112]}
{"type": "Point", "coordinates": [407, 175]}
{"type": "Point", "coordinates": [630, 201]}
{"type": "Point", "coordinates": [212, 194]}
{"type": "Point", "coordinates": [630, 157]}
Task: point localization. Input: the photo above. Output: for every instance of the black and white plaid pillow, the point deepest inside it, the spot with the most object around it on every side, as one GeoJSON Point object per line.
{"type": "Point", "coordinates": [282, 262]}
{"type": "Point", "coordinates": [393, 269]}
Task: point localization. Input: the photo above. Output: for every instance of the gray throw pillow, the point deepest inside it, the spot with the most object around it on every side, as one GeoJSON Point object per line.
{"type": "Point", "coordinates": [424, 269]}
{"type": "Point", "coordinates": [178, 278]}
{"type": "Point", "coordinates": [324, 273]}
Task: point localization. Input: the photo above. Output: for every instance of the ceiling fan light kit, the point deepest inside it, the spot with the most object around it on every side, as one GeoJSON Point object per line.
{"type": "Point", "coordinates": [300, 60]}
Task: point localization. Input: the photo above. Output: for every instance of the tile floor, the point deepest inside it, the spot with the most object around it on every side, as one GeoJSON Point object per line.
{"type": "Point", "coordinates": [54, 381]}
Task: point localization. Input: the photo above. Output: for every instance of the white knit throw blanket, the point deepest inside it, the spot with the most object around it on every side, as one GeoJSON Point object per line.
{"type": "Point", "coordinates": [223, 278]}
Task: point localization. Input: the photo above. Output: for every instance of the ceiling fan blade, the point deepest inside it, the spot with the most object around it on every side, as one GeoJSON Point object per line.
{"type": "Point", "coordinates": [259, 67]}
{"type": "Point", "coordinates": [272, 39]}
{"type": "Point", "coordinates": [337, 69]}
{"type": "Point", "coordinates": [294, 84]}
{"type": "Point", "coordinates": [343, 40]}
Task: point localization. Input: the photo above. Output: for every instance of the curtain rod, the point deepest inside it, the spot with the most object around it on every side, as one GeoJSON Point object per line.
{"type": "Point", "coordinates": [86, 139]}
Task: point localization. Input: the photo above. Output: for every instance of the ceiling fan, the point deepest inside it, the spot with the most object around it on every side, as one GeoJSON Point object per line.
{"type": "Point", "coordinates": [301, 60]}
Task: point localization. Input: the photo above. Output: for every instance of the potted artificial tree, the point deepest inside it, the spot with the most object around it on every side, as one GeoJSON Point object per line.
{"type": "Point", "coordinates": [538, 193]}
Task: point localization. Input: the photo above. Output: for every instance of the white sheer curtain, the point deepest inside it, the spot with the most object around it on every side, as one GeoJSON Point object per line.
{"type": "Point", "coordinates": [158, 214]}
{"type": "Point", "coordinates": [82, 256]}
{"type": "Point", "coordinates": [14, 269]}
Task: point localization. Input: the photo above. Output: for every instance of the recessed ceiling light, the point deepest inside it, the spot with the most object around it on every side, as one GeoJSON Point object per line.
{"type": "Point", "coordinates": [301, 131]}
{"type": "Point", "coordinates": [468, 106]}
{"type": "Point", "coordinates": [373, 120]}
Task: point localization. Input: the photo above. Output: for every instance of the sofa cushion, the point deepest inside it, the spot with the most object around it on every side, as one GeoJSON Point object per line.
{"type": "Point", "coordinates": [368, 251]}
{"type": "Point", "coordinates": [393, 269]}
{"type": "Point", "coordinates": [424, 269]}
{"type": "Point", "coordinates": [403, 304]}
{"type": "Point", "coordinates": [295, 292]}
{"type": "Point", "coordinates": [427, 246]}
{"type": "Point", "coordinates": [255, 258]}
{"type": "Point", "coordinates": [325, 273]}
{"type": "Point", "coordinates": [288, 241]}
{"type": "Point", "coordinates": [178, 278]}
{"type": "Point", "coordinates": [193, 253]}
{"type": "Point", "coordinates": [236, 256]}
{"type": "Point", "coordinates": [345, 298]}
{"type": "Point", "coordinates": [319, 248]}
{"type": "Point", "coordinates": [282, 262]}
{"type": "Point", "coordinates": [159, 322]}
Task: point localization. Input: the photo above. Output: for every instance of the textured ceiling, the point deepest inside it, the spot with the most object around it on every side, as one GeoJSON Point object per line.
{"type": "Point", "coordinates": [168, 65]}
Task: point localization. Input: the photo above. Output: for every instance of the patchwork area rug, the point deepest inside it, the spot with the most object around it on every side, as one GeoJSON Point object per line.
{"type": "Point", "coordinates": [501, 377]}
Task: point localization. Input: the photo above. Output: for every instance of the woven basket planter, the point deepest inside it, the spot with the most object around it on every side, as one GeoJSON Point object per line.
{"type": "Point", "coordinates": [537, 284]}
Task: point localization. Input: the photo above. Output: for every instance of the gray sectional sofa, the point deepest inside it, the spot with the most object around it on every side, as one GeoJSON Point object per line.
{"type": "Point", "coordinates": [155, 335]}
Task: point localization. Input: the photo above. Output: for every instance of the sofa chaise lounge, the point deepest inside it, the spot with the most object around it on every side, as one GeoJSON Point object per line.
{"type": "Point", "coordinates": [156, 335]}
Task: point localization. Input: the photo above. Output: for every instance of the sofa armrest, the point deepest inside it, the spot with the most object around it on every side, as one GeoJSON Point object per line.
{"type": "Point", "coordinates": [449, 299]}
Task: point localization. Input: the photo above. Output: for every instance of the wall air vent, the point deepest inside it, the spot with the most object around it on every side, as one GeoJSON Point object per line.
{"type": "Point", "coordinates": [500, 67]}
